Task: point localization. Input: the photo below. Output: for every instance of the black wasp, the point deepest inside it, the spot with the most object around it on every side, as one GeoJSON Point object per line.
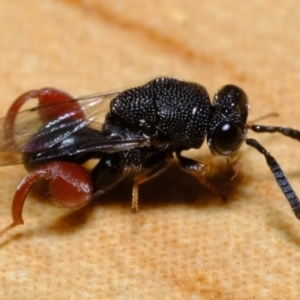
{"type": "Point", "coordinates": [142, 129]}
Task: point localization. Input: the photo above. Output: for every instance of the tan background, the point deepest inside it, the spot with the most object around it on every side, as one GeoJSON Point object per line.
{"type": "Point", "coordinates": [185, 243]}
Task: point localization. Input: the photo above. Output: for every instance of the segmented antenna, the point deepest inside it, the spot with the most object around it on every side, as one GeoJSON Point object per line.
{"type": "Point", "coordinates": [289, 132]}
{"type": "Point", "coordinates": [279, 176]}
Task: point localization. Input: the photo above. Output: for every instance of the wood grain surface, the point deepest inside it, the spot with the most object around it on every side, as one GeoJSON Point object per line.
{"type": "Point", "coordinates": [185, 243]}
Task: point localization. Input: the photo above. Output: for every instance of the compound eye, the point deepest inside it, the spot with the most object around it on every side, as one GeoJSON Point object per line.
{"type": "Point", "coordinates": [227, 139]}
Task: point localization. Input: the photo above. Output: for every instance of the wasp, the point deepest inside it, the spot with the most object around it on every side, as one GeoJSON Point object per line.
{"type": "Point", "coordinates": [140, 129]}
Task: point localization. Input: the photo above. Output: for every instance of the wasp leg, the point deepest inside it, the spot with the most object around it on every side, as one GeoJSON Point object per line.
{"type": "Point", "coordinates": [156, 169]}
{"type": "Point", "coordinates": [45, 96]}
{"type": "Point", "coordinates": [109, 172]}
{"type": "Point", "coordinates": [106, 175]}
{"type": "Point", "coordinates": [198, 170]}
{"type": "Point", "coordinates": [235, 165]}
{"type": "Point", "coordinates": [70, 186]}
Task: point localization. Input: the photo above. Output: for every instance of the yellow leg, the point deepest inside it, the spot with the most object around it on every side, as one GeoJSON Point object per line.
{"type": "Point", "coordinates": [146, 176]}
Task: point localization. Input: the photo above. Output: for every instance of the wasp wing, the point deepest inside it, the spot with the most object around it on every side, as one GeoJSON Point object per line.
{"type": "Point", "coordinates": [90, 142]}
{"type": "Point", "coordinates": [29, 125]}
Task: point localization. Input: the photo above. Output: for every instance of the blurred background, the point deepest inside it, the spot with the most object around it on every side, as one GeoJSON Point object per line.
{"type": "Point", "coordinates": [185, 243]}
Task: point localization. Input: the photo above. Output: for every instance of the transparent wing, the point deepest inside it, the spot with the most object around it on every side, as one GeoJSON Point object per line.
{"type": "Point", "coordinates": [91, 142]}
{"type": "Point", "coordinates": [15, 140]}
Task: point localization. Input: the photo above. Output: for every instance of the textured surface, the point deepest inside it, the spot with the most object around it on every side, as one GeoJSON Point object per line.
{"type": "Point", "coordinates": [184, 243]}
{"type": "Point", "coordinates": [164, 106]}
